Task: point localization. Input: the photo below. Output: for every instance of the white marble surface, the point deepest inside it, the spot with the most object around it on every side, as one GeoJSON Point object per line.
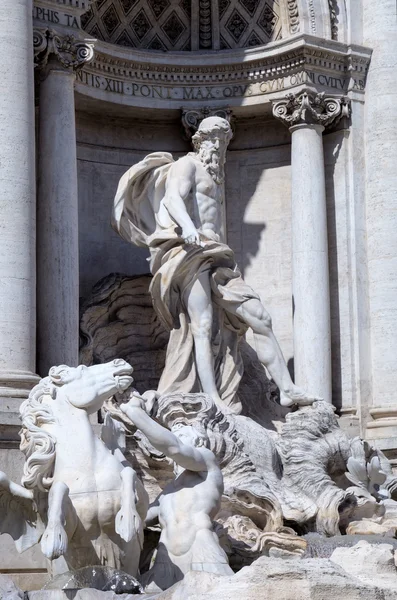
{"type": "Point", "coordinates": [310, 276]}
{"type": "Point", "coordinates": [96, 504]}
{"type": "Point", "coordinates": [17, 206]}
{"type": "Point", "coordinates": [380, 33]}
{"type": "Point", "coordinates": [186, 507]}
{"type": "Point", "coordinates": [164, 204]}
{"type": "Point", "coordinates": [57, 229]}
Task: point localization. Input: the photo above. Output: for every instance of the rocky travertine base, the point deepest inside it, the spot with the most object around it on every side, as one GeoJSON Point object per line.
{"type": "Point", "coordinates": [368, 572]}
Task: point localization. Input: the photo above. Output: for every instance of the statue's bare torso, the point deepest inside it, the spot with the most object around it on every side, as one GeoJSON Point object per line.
{"type": "Point", "coordinates": [187, 507]}
{"type": "Point", "coordinates": [203, 201]}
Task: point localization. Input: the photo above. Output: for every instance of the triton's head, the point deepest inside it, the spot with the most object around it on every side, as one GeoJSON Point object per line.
{"type": "Point", "coordinates": [189, 435]}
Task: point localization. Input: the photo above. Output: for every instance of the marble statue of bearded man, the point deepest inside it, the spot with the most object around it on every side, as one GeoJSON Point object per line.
{"type": "Point", "coordinates": [174, 208]}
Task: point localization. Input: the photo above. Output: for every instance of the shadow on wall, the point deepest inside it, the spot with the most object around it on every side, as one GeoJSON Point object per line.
{"type": "Point", "coordinates": [333, 144]}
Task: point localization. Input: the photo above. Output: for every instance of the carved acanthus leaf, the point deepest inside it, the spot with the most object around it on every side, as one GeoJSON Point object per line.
{"type": "Point", "coordinates": [310, 108]}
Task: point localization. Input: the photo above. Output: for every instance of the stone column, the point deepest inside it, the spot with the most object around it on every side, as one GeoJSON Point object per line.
{"type": "Point", "coordinates": [306, 115]}
{"type": "Point", "coordinates": [380, 34]}
{"type": "Point", "coordinates": [17, 207]}
{"type": "Point", "coordinates": [58, 58]}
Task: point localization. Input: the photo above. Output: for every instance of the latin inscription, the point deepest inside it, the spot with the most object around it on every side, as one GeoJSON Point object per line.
{"type": "Point", "coordinates": [55, 17]}
{"type": "Point", "coordinates": [195, 93]}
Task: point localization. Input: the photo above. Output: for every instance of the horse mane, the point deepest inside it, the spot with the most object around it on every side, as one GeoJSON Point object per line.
{"type": "Point", "coordinates": [38, 445]}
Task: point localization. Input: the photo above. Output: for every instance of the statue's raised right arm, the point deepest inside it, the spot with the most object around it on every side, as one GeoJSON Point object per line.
{"type": "Point", "coordinates": [178, 187]}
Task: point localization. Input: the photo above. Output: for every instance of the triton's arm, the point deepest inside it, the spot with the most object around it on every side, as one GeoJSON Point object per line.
{"type": "Point", "coordinates": [179, 184]}
{"type": "Point", "coordinates": [164, 440]}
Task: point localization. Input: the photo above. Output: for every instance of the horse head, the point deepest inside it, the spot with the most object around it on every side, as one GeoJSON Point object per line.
{"type": "Point", "coordinates": [88, 387]}
{"type": "Point", "coordinates": [82, 387]}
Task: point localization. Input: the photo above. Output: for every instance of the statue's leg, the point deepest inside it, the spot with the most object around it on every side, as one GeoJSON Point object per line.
{"type": "Point", "coordinates": [199, 307]}
{"type": "Point", "coordinates": [269, 352]}
{"type": "Point", "coordinates": [54, 542]}
{"type": "Point", "coordinates": [128, 523]}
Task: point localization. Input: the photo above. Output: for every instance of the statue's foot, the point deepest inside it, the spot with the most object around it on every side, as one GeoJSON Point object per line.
{"type": "Point", "coordinates": [297, 397]}
{"type": "Point", "coordinates": [54, 542]}
{"type": "Point", "coordinates": [128, 524]}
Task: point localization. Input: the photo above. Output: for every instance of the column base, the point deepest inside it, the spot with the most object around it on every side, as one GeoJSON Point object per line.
{"type": "Point", "coordinates": [349, 421]}
{"type": "Point", "coordinates": [14, 389]}
{"type": "Point", "coordinates": [382, 431]}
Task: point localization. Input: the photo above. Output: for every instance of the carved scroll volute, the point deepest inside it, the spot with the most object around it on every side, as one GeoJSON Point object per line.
{"type": "Point", "coordinates": [191, 118]}
{"type": "Point", "coordinates": [68, 51]}
{"type": "Point", "coordinates": [311, 109]}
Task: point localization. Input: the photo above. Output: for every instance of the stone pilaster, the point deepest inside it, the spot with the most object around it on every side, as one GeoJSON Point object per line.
{"type": "Point", "coordinates": [17, 210]}
{"type": "Point", "coordinates": [380, 34]}
{"type": "Point", "coordinates": [306, 115]}
{"type": "Point", "coordinates": [57, 58]}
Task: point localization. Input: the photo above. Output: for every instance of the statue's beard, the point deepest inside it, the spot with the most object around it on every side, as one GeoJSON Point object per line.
{"type": "Point", "coordinates": [213, 164]}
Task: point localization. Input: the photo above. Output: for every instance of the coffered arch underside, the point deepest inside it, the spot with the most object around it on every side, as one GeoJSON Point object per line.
{"type": "Point", "coordinates": [205, 25]}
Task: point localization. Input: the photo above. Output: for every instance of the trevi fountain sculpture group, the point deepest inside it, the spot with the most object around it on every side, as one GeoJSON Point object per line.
{"type": "Point", "coordinates": [180, 478]}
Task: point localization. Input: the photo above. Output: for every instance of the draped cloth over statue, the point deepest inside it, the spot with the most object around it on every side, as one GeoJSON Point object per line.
{"type": "Point", "coordinates": [141, 217]}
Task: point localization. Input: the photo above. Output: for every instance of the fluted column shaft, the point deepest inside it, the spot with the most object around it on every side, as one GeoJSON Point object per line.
{"type": "Point", "coordinates": [310, 274]}
{"type": "Point", "coordinates": [306, 115]}
{"type": "Point", "coordinates": [17, 205]}
{"type": "Point", "coordinates": [58, 263]}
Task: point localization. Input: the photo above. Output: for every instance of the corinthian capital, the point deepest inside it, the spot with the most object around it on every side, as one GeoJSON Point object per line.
{"type": "Point", "coordinates": [68, 51]}
{"type": "Point", "coordinates": [311, 109]}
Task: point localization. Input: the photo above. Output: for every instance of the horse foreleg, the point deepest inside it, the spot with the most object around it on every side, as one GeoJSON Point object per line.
{"type": "Point", "coordinates": [54, 542]}
{"type": "Point", "coordinates": [128, 522]}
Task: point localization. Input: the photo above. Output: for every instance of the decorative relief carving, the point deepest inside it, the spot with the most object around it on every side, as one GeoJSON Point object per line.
{"type": "Point", "coordinates": [312, 17]}
{"type": "Point", "coordinates": [71, 52]}
{"type": "Point", "coordinates": [205, 29]}
{"type": "Point", "coordinates": [151, 24]}
{"type": "Point", "coordinates": [293, 15]}
{"type": "Point", "coordinates": [140, 25]}
{"type": "Point", "coordinates": [333, 8]}
{"type": "Point", "coordinates": [248, 23]}
{"type": "Point", "coordinates": [191, 118]}
{"type": "Point", "coordinates": [165, 24]}
{"type": "Point", "coordinates": [267, 21]}
{"type": "Point", "coordinates": [158, 6]}
{"type": "Point", "coordinates": [173, 28]}
{"type": "Point", "coordinates": [236, 26]}
{"type": "Point", "coordinates": [309, 108]}
{"type": "Point", "coordinates": [287, 61]}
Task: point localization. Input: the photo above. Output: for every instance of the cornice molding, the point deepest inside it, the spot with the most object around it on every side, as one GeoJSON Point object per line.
{"type": "Point", "coordinates": [252, 62]}
{"type": "Point", "coordinates": [232, 78]}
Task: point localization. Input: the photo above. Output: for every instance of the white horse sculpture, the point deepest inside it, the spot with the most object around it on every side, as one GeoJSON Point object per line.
{"type": "Point", "coordinates": [80, 496]}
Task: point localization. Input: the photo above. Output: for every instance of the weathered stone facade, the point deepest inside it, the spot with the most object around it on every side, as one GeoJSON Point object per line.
{"type": "Point", "coordinates": [310, 181]}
